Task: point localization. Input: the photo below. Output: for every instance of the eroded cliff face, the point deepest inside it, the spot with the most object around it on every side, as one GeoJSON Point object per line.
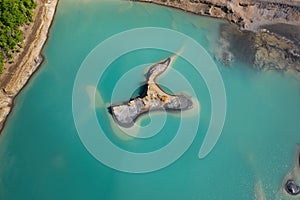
{"type": "Point", "coordinates": [248, 14]}
{"type": "Point", "coordinates": [270, 27]}
{"type": "Point", "coordinates": [13, 79]}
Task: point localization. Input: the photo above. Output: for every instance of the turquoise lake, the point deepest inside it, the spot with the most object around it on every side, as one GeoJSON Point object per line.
{"type": "Point", "coordinates": [42, 155]}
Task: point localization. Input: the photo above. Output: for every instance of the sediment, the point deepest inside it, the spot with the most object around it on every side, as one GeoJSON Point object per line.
{"type": "Point", "coordinates": [270, 26]}
{"type": "Point", "coordinates": [15, 76]}
{"type": "Point", "coordinates": [271, 29]}
{"type": "Point", "coordinates": [264, 50]}
{"type": "Point", "coordinates": [247, 14]}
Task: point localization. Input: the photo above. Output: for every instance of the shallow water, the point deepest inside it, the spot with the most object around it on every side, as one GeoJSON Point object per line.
{"type": "Point", "coordinates": [42, 156]}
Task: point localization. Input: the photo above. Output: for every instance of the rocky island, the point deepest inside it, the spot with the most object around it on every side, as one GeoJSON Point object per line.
{"type": "Point", "coordinates": [291, 181]}
{"type": "Point", "coordinates": [270, 26]}
{"type": "Point", "coordinates": [154, 99]}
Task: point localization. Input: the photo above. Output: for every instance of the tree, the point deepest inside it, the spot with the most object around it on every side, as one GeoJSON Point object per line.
{"type": "Point", "coordinates": [13, 15]}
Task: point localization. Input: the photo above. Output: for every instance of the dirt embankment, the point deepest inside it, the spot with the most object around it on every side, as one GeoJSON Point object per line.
{"type": "Point", "coordinates": [16, 75]}
{"type": "Point", "coordinates": [271, 27]}
{"type": "Point", "coordinates": [248, 14]}
{"type": "Point", "coordinates": [264, 20]}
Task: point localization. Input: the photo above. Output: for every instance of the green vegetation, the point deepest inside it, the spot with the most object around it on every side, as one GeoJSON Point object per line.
{"type": "Point", "coordinates": [13, 15]}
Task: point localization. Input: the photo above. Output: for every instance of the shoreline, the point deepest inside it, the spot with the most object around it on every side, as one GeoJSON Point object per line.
{"type": "Point", "coordinates": [248, 15]}
{"type": "Point", "coordinates": [271, 28]}
{"type": "Point", "coordinates": [154, 98]}
{"type": "Point", "coordinates": [16, 76]}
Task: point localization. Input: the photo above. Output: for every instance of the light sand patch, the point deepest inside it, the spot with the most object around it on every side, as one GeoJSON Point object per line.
{"type": "Point", "coordinates": [258, 190]}
{"type": "Point", "coordinates": [117, 130]}
{"type": "Point", "coordinates": [96, 100]}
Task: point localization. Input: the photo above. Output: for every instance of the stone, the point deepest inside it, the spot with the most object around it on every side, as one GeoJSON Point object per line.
{"type": "Point", "coordinates": [154, 99]}
{"type": "Point", "coordinates": [292, 188]}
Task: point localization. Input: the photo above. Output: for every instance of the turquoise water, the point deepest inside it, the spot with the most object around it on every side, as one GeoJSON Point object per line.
{"type": "Point", "coordinates": [42, 156]}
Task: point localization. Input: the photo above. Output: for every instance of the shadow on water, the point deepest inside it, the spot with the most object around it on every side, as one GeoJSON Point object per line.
{"type": "Point", "coordinates": [109, 110]}
{"type": "Point", "coordinates": [240, 44]}
{"type": "Point", "coordinates": [140, 92]}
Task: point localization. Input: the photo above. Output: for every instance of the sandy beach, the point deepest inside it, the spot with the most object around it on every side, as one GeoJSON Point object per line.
{"type": "Point", "coordinates": [16, 75]}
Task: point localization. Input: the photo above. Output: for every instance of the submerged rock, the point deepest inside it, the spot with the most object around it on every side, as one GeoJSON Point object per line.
{"type": "Point", "coordinates": [235, 45]}
{"type": "Point", "coordinates": [155, 99]}
{"type": "Point", "coordinates": [290, 184]}
{"type": "Point", "coordinates": [264, 50]}
{"type": "Point", "coordinates": [227, 58]}
{"type": "Point", "coordinates": [269, 38]}
{"type": "Point", "coordinates": [275, 52]}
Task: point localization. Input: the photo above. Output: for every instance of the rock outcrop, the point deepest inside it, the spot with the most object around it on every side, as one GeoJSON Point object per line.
{"type": "Point", "coordinates": [265, 50]}
{"type": "Point", "coordinates": [248, 14]}
{"type": "Point", "coordinates": [291, 183]}
{"type": "Point", "coordinates": [271, 28]}
{"type": "Point", "coordinates": [155, 99]}
{"type": "Point", "coordinates": [292, 188]}
{"type": "Point", "coordinates": [272, 52]}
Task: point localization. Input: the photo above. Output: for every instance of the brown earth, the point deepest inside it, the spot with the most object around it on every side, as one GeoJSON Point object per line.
{"type": "Point", "coordinates": [248, 14]}
{"type": "Point", "coordinates": [16, 75]}
{"type": "Point", "coordinates": [270, 26]}
{"type": "Point", "coordinates": [269, 30]}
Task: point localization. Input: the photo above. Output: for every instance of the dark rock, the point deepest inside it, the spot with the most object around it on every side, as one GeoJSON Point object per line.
{"type": "Point", "coordinates": [274, 52]}
{"type": "Point", "coordinates": [225, 9]}
{"type": "Point", "coordinates": [270, 37]}
{"type": "Point", "coordinates": [154, 98]}
{"type": "Point", "coordinates": [227, 58]}
{"type": "Point", "coordinates": [235, 44]}
{"type": "Point", "coordinates": [290, 32]}
{"type": "Point", "coordinates": [292, 188]}
{"type": "Point", "coordinates": [270, 49]}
